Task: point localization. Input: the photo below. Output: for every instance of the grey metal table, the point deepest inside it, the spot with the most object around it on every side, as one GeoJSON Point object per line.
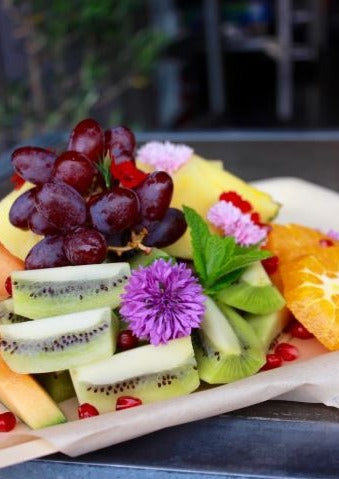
{"type": "Point", "coordinates": [271, 440]}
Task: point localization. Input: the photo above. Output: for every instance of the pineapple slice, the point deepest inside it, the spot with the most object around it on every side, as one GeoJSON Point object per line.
{"type": "Point", "coordinates": [199, 183]}
{"type": "Point", "coordinates": [18, 242]}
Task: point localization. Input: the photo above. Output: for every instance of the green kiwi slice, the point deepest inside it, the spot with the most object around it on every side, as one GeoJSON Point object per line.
{"type": "Point", "coordinates": [253, 293]}
{"type": "Point", "coordinates": [57, 384]}
{"type": "Point", "coordinates": [7, 315]}
{"type": "Point", "coordinates": [150, 373]}
{"type": "Point", "coordinates": [267, 327]}
{"type": "Point", "coordinates": [56, 291]}
{"type": "Point", "coordinates": [226, 346]}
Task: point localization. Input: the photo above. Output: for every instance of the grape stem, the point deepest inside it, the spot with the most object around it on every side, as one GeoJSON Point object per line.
{"type": "Point", "coordinates": [134, 243]}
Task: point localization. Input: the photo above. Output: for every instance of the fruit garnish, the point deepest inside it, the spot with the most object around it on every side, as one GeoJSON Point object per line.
{"type": "Point", "coordinates": [17, 181]}
{"type": "Point", "coordinates": [271, 264]}
{"type": "Point", "coordinates": [236, 200]}
{"type": "Point", "coordinates": [7, 421]}
{"type": "Point", "coordinates": [218, 261]}
{"type": "Point", "coordinates": [286, 351]}
{"type": "Point", "coordinates": [273, 361]}
{"type": "Point", "coordinates": [326, 243]}
{"type": "Point", "coordinates": [34, 164]}
{"type": "Point", "coordinates": [299, 331]}
{"type": "Point", "coordinates": [75, 169]}
{"type": "Point", "coordinates": [165, 156]}
{"type": "Point", "coordinates": [228, 218]}
{"type": "Point", "coordinates": [8, 285]}
{"type": "Point", "coordinates": [126, 402]}
{"type": "Point", "coordinates": [86, 410]}
{"type": "Point", "coordinates": [88, 138]}
{"type": "Point", "coordinates": [126, 340]}
{"type": "Point", "coordinates": [85, 246]}
{"type": "Point", "coordinates": [311, 289]}
{"type": "Point", "coordinates": [162, 301]}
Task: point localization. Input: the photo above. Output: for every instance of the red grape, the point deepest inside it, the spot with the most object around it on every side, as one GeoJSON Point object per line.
{"type": "Point", "coordinates": [75, 169]}
{"type": "Point", "coordinates": [119, 138]}
{"type": "Point", "coordinates": [34, 164]}
{"type": "Point", "coordinates": [61, 205]}
{"type": "Point", "coordinates": [88, 138]}
{"type": "Point", "coordinates": [22, 208]}
{"type": "Point", "coordinates": [39, 225]}
{"type": "Point", "coordinates": [85, 246]}
{"type": "Point", "coordinates": [123, 157]}
{"type": "Point", "coordinates": [155, 195]}
{"type": "Point", "coordinates": [167, 231]}
{"type": "Point", "coordinates": [48, 253]}
{"type": "Point", "coordinates": [115, 210]}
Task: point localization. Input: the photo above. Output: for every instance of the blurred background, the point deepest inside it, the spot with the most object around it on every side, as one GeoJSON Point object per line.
{"type": "Point", "coordinates": [174, 65]}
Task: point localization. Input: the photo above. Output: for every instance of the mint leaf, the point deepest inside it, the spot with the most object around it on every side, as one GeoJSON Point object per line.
{"type": "Point", "coordinates": [199, 235]}
{"type": "Point", "coordinates": [224, 281]}
{"type": "Point", "coordinates": [218, 253]}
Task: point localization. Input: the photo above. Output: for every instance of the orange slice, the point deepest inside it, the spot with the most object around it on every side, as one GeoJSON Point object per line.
{"type": "Point", "coordinates": [311, 290]}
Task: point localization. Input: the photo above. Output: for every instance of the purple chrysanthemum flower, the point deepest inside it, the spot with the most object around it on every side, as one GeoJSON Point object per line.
{"type": "Point", "coordinates": [162, 301]}
{"type": "Point", "coordinates": [333, 235]}
{"type": "Point", "coordinates": [165, 156]}
{"type": "Point", "coordinates": [233, 222]}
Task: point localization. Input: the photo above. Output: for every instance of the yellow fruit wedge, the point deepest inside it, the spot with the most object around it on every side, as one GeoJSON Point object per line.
{"type": "Point", "coordinates": [199, 183]}
{"type": "Point", "coordinates": [22, 395]}
{"type": "Point", "coordinates": [18, 242]}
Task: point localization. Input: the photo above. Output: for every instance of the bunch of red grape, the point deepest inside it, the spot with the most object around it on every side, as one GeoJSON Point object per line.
{"type": "Point", "coordinates": [92, 198]}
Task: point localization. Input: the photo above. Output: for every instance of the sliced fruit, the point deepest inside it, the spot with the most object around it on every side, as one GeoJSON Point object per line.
{"type": "Point", "coordinates": [54, 291]}
{"type": "Point", "coordinates": [142, 259]}
{"type": "Point", "coordinates": [311, 288]}
{"type": "Point", "coordinates": [199, 183]}
{"type": "Point", "coordinates": [7, 315]}
{"type": "Point", "coordinates": [27, 399]}
{"type": "Point", "coordinates": [253, 293]}
{"type": "Point", "coordinates": [267, 327]}
{"type": "Point", "coordinates": [8, 263]}
{"type": "Point", "coordinates": [150, 373]}
{"type": "Point", "coordinates": [18, 242]}
{"type": "Point", "coordinates": [58, 385]}
{"type": "Point", "coordinates": [227, 348]}
{"type": "Point", "coordinates": [60, 342]}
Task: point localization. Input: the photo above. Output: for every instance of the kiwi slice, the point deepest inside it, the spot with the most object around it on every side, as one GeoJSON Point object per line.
{"type": "Point", "coordinates": [150, 373]}
{"type": "Point", "coordinates": [226, 346]}
{"type": "Point", "coordinates": [42, 293]}
{"type": "Point", "coordinates": [253, 293]}
{"type": "Point", "coordinates": [58, 385]}
{"type": "Point", "coordinates": [7, 315]}
{"type": "Point", "coordinates": [143, 259]}
{"type": "Point", "coordinates": [267, 327]}
{"type": "Point", "coordinates": [60, 342]}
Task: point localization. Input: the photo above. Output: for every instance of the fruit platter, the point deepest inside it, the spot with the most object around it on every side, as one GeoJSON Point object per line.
{"type": "Point", "coordinates": [139, 281]}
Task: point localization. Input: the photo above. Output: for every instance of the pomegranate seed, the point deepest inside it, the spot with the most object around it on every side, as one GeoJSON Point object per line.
{"type": "Point", "coordinates": [298, 330]}
{"type": "Point", "coordinates": [287, 352]}
{"type": "Point", "coordinates": [125, 402]}
{"type": "Point", "coordinates": [272, 361]}
{"type": "Point", "coordinates": [234, 198]}
{"type": "Point", "coordinates": [7, 421]}
{"type": "Point", "coordinates": [17, 181]}
{"type": "Point", "coordinates": [87, 410]}
{"type": "Point", "coordinates": [326, 243]}
{"type": "Point", "coordinates": [271, 264]}
{"type": "Point", "coordinates": [127, 340]}
{"type": "Point", "coordinates": [8, 285]}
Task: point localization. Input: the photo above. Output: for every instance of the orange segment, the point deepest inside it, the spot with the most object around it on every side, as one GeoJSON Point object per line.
{"type": "Point", "coordinates": [311, 289]}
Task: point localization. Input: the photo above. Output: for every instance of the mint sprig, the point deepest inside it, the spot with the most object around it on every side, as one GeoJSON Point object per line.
{"type": "Point", "coordinates": [218, 261]}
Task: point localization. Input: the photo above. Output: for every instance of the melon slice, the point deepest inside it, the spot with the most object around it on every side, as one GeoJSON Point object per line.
{"type": "Point", "coordinates": [17, 241]}
{"type": "Point", "coordinates": [199, 183]}
{"type": "Point", "coordinates": [8, 263]}
{"type": "Point", "coordinates": [22, 395]}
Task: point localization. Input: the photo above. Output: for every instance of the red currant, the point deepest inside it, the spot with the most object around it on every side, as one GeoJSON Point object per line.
{"type": "Point", "coordinates": [8, 285]}
{"type": "Point", "coordinates": [286, 351]}
{"type": "Point", "coordinates": [234, 198]}
{"type": "Point", "coordinates": [87, 410]}
{"type": "Point", "coordinates": [125, 402]}
{"type": "Point", "coordinates": [299, 331]}
{"type": "Point", "coordinates": [271, 264]}
{"type": "Point", "coordinates": [127, 340]}
{"type": "Point", "coordinates": [326, 243]}
{"type": "Point", "coordinates": [7, 421]}
{"type": "Point", "coordinates": [272, 361]}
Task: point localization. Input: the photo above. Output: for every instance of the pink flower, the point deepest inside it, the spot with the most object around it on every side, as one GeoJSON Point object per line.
{"type": "Point", "coordinates": [333, 235]}
{"type": "Point", "coordinates": [162, 301]}
{"type": "Point", "coordinates": [227, 217]}
{"type": "Point", "coordinates": [165, 156]}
